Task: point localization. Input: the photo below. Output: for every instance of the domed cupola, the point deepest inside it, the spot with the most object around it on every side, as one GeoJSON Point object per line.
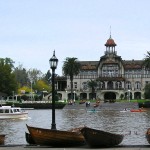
{"type": "Point", "coordinates": [110, 42]}
{"type": "Point", "coordinates": [110, 46]}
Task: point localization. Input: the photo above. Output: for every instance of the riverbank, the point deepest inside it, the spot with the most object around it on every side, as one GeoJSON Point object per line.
{"type": "Point", "coordinates": [38, 105]}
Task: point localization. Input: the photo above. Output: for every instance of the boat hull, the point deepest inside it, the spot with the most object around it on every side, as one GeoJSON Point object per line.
{"type": "Point", "coordinates": [98, 138]}
{"type": "Point", "coordinates": [148, 135]}
{"type": "Point", "coordinates": [13, 116]}
{"type": "Point", "coordinates": [56, 138]}
{"type": "Point", "coordinates": [29, 138]}
{"type": "Point", "coordinates": [2, 139]}
{"type": "Point", "coordinates": [9, 112]}
{"type": "Point", "coordinates": [137, 110]}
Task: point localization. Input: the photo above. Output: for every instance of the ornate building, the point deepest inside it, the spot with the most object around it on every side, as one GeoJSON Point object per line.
{"type": "Point", "coordinates": [116, 78]}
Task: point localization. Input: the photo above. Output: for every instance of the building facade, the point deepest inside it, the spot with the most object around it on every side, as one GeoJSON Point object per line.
{"type": "Point", "coordinates": [116, 78]}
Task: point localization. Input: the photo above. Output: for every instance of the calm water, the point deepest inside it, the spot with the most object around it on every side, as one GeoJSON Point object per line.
{"type": "Point", "coordinates": [113, 121]}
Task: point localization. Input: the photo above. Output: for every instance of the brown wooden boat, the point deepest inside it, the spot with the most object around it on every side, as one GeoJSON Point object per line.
{"type": "Point", "coordinates": [82, 101]}
{"type": "Point", "coordinates": [56, 138]}
{"type": "Point", "coordinates": [2, 139]}
{"type": "Point", "coordinates": [98, 138]}
{"type": "Point", "coordinates": [148, 135]}
{"type": "Point", "coordinates": [29, 138]}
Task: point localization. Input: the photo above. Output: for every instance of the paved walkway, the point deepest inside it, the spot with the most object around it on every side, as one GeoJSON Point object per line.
{"type": "Point", "coordinates": [74, 148]}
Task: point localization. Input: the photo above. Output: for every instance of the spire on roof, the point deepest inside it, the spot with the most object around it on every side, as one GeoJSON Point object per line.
{"type": "Point", "coordinates": [110, 32]}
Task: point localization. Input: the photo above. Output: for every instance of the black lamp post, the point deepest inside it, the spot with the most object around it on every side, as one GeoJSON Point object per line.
{"type": "Point", "coordinates": [53, 64]}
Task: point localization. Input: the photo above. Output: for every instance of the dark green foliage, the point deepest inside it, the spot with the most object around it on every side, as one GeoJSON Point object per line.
{"type": "Point", "coordinates": [147, 91]}
{"type": "Point", "coordinates": [121, 96]}
{"type": "Point", "coordinates": [146, 62]}
{"type": "Point", "coordinates": [71, 67]}
{"type": "Point", "coordinates": [7, 77]}
{"type": "Point", "coordinates": [93, 85]}
{"type": "Point", "coordinates": [21, 76]}
{"type": "Point", "coordinates": [24, 97]}
{"type": "Point", "coordinates": [48, 76]}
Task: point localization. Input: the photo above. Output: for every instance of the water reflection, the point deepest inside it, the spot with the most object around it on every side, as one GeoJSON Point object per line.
{"type": "Point", "coordinates": [113, 121]}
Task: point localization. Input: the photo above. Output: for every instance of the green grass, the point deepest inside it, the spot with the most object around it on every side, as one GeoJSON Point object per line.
{"type": "Point", "coordinates": [135, 100]}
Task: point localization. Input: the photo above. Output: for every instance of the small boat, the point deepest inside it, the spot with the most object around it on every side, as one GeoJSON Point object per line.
{"type": "Point", "coordinates": [148, 135]}
{"type": "Point", "coordinates": [96, 105]}
{"type": "Point", "coordinates": [8, 112]}
{"type": "Point", "coordinates": [125, 110]}
{"type": "Point", "coordinates": [29, 138]}
{"type": "Point", "coordinates": [82, 101]}
{"type": "Point", "coordinates": [99, 138]}
{"type": "Point", "coordinates": [2, 139]}
{"type": "Point", "coordinates": [138, 110]}
{"type": "Point", "coordinates": [56, 138]}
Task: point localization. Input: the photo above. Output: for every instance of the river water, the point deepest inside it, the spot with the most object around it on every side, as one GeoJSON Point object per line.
{"type": "Point", "coordinates": [113, 121]}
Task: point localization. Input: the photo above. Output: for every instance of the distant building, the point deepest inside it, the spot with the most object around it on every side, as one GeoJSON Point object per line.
{"type": "Point", "coordinates": [116, 78]}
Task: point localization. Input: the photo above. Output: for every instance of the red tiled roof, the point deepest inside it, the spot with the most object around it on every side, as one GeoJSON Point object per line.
{"type": "Point", "coordinates": [110, 42]}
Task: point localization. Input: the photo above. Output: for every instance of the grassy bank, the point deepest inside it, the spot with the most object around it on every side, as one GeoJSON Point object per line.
{"type": "Point", "coordinates": [58, 105]}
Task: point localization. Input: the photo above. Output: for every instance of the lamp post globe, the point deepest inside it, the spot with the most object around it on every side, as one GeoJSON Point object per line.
{"type": "Point", "coordinates": [53, 65]}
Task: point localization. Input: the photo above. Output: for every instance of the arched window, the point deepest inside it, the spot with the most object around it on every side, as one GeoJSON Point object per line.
{"type": "Point", "coordinates": [118, 85]}
{"type": "Point", "coordinates": [137, 85]}
{"type": "Point", "coordinates": [128, 85]}
{"type": "Point", "coordinates": [110, 85]}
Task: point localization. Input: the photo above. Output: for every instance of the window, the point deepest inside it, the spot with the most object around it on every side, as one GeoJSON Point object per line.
{"type": "Point", "coordinates": [111, 70]}
{"type": "Point", "coordinates": [75, 85]}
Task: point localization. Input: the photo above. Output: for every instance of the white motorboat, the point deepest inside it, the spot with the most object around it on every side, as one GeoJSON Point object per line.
{"type": "Point", "coordinates": [8, 112]}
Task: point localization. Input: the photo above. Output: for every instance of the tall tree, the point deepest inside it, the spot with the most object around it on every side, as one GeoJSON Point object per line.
{"type": "Point", "coordinates": [7, 77]}
{"type": "Point", "coordinates": [147, 91]}
{"type": "Point", "coordinates": [48, 76]}
{"type": "Point", "coordinates": [93, 85]}
{"type": "Point", "coordinates": [21, 76]}
{"type": "Point", "coordinates": [147, 60]}
{"type": "Point", "coordinates": [34, 74]}
{"type": "Point", "coordinates": [70, 68]}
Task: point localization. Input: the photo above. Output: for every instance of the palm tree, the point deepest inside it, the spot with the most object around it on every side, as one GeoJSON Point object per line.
{"type": "Point", "coordinates": [70, 68]}
{"type": "Point", "coordinates": [92, 84]}
{"type": "Point", "coordinates": [147, 60]}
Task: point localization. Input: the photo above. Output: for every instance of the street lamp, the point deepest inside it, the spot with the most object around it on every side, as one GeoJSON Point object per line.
{"type": "Point", "coordinates": [74, 96]}
{"type": "Point", "coordinates": [129, 95]}
{"type": "Point", "coordinates": [53, 65]}
{"type": "Point", "coordinates": [31, 89]}
{"type": "Point", "coordinates": [66, 96]}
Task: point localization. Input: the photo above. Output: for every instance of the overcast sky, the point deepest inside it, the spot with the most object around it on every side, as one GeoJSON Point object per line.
{"type": "Point", "coordinates": [31, 29]}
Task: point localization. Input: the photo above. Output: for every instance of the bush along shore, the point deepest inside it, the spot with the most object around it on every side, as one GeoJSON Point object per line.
{"type": "Point", "coordinates": [58, 105]}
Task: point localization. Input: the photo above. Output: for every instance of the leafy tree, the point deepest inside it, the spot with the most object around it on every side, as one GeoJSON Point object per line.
{"type": "Point", "coordinates": [147, 91]}
{"type": "Point", "coordinates": [147, 60]}
{"type": "Point", "coordinates": [41, 85]}
{"type": "Point", "coordinates": [70, 68]}
{"type": "Point", "coordinates": [34, 75]}
{"type": "Point", "coordinates": [21, 76]}
{"type": "Point", "coordinates": [121, 96]}
{"type": "Point", "coordinates": [24, 88]}
{"type": "Point", "coordinates": [7, 77]}
{"type": "Point", "coordinates": [93, 85]}
{"type": "Point", "coordinates": [48, 76]}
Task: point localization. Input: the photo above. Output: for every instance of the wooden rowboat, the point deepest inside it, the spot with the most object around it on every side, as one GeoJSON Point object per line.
{"type": "Point", "coordinates": [137, 110]}
{"type": "Point", "coordinates": [29, 138]}
{"type": "Point", "coordinates": [56, 138]}
{"type": "Point", "coordinates": [148, 135]}
{"type": "Point", "coordinates": [98, 138]}
{"type": "Point", "coordinates": [2, 139]}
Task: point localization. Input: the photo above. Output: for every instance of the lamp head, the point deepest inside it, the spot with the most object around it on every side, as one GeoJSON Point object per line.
{"type": "Point", "coordinates": [53, 61]}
